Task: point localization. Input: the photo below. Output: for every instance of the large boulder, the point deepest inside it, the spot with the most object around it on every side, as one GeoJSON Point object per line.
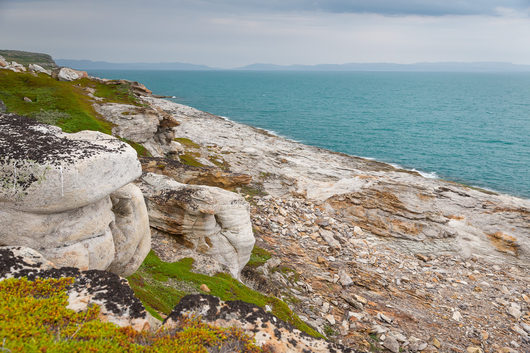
{"type": "Point", "coordinates": [206, 219]}
{"type": "Point", "coordinates": [112, 293]}
{"type": "Point", "coordinates": [69, 196]}
{"type": "Point", "coordinates": [267, 330]}
{"type": "Point", "coordinates": [3, 62]}
{"type": "Point", "coordinates": [67, 74]}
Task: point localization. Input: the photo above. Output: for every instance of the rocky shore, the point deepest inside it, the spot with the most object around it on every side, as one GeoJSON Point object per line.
{"type": "Point", "coordinates": [372, 257]}
{"type": "Point", "coordinates": [380, 256]}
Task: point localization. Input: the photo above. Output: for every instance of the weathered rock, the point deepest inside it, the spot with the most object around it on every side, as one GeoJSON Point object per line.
{"type": "Point", "coordinates": [38, 69]}
{"type": "Point", "coordinates": [208, 220]}
{"type": "Point", "coordinates": [27, 100]}
{"type": "Point", "coordinates": [45, 170]}
{"type": "Point", "coordinates": [130, 230]}
{"type": "Point", "coordinates": [194, 175]}
{"type": "Point", "coordinates": [3, 62]}
{"type": "Point", "coordinates": [151, 128]}
{"type": "Point", "coordinates": [112, 293]}
{"type": "Point", "coordinates": [54, 196]}
{"type": "Point", "coordinates": [15, 67]}
{"type": "Point", "coordinates": [267, 329]}
{"type": "Point", "coordinates": [67, 74]}
{"type": "Point", "coordinates": [3, 107]}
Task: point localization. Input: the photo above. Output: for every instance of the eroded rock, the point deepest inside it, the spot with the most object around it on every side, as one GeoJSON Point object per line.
{"type": "Point", "coordinates": [67, 74]}
{"type": "Point", "coordinates": [267, 329]}
{"type": "Point", "coordinates": [206, 219]}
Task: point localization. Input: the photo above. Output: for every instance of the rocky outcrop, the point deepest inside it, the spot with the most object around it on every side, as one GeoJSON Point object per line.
{"type": "Point", "coordinates": [152, 128]}
{"type": "Point", "coordinates": [277, 335]}
{"type": "Point", "coordinates": [186, 174]}
{"type": "Point", "coordinates": [208, 220]}
{"type": "Point", "coordinates": [67, 74]}
{"type": "Point", "coordinates": [60, 194]}
{"type": "Point", "coordinates": [38, 69]}
{"type": "Point", "coordinates": [112, 293]}
{"type": "Point", "coordinates": [13, 65]}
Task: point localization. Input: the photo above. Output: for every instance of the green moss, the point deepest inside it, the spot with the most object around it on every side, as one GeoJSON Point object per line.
{"type": "Point", "coordinates": [258, 257]}
{"type": "Point", "coordinates": [188, 159]}
{"type": "Point", "coordinates": [34, 318]}
{"type": "Point", "coordinates": [74, 111]}
{"type": "Point", "coordinates": [221, 285]}
{"type": "Point", "coordinates": [251, 191]}
{"type": "Point", "coordinates": [140, 150]}
{"type": "Point", "coordinates": [186, 142]}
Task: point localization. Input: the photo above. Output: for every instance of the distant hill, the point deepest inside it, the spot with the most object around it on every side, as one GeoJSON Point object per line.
{"type": "Point", "coordinates": [25, 58]}
{"type": "Point", "coordinates": [103, 65]}
{"type": "Point", "coordinates": [418, 67]}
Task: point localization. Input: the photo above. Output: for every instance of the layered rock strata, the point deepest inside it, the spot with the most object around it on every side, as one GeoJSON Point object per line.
{"type": "Point", "coordinates": [207, 220]}
{"type": "Point", "coordinates": [69, 196]}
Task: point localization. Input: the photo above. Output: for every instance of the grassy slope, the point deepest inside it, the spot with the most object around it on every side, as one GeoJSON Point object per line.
{"type": "Point", "coordinates": [25, 58]}
{"type": "Point", "coordinates": [34, 318]}
{"type": "Point", "coordinates": [156, 283]}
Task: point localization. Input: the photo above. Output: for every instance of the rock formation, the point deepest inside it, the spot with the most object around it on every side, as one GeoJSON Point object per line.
{"type": "Point", "coordinates": [112, 293]}
{"type": "Point", "coordinates": [208, 220]}
{"type": "Point", "coordinates": [186, 174]}
{"type": "Point", "coordinates": [68, 196]}
{"type": "Point", "coordinates": [151, 128]}
{"type": "Point", "coordinates": [268, 330]}
{"type": "Point", "coordinates": [38, 69]}
{"type": "Point", "coordinates": [67, 74]}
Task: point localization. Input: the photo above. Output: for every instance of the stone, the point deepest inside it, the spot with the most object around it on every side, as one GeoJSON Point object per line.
{"type": "Point", "coordinates": [204, 288]}
{"type": "Point", "coordinates": [44, 170]}
{"type": "Point", "coordinates": [384, 318]}
{"type": "Point", "coordinates": [27, 100]}
{"type": "Point", "coordinates": [474, 350]}
{"type": "Point", "coordinates": [328, 237]}
{"type": "Point", "coordinates": [357, 230]}
{"type": "Point", "coordinates": [67, 74]}
{"type": "Point", "coordinates": [16, 67]}
{"type": "Point", "coordinates": [130, 230]}
{"type": "Point", "coordinates": [266, 329]}
{"type": "Point", "coordinates": [436, 343]}
{"type": "Point", "coordinates": [391, 344]}
{"type": "Point", "coordinates": [69, 197]}
{"type": "Point", "coordinates": [116, 299]}
{"type": "Point", "coordinates": [211, 176]}
{"type": "Point", "coordinates": [3, 62]}
{"type": "Point", "coordinates": [331, 319]}
{"type": "Point", "coordinates": [345, 279]}
{"type": "Point", "coordinates": [457, 316]}
{"type": "Point", "coordinates": [205, 219]}
{"type": "Point", "coordinates": [514, 310]}
{"type": "Point", "coordinates": [3, 107]}
{"type": "Point", "coordinates": [38, 69]}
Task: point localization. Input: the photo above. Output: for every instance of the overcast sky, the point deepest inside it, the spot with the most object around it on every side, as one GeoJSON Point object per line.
{"type": "Point", "coordinates": [238, 32]}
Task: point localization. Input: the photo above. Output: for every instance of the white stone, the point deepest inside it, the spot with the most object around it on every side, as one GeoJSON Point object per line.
{"type": "Point", "coordinates": [67, 74]}
{"type": "Point", "coordinates": [130, 230]}
{"type": "Point", "coordinates": [38, 69]}
{"type": "Point", "coordinates": [210, 220]}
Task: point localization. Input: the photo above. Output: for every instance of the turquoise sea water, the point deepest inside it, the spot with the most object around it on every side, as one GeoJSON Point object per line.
{"type": "Point", "coordinates": [472, 128]}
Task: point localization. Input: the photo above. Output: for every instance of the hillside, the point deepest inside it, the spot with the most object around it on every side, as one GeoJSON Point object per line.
{"type": "Point", "coordinates": [25, 58]}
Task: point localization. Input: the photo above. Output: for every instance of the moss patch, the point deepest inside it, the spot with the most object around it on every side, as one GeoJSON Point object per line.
{"type": "Point", "coordinates": [258, 257]}
{"type": "Point", "coordinates": [188, 159]}
{"type": "Point", "coordinates": [73, 108]}
{"type": "Point", "coordinates": [186, 142]}
{"type": "Point", "coordinates": [34, 318]}
{"type": "Point", "coordinates": [153, 270]}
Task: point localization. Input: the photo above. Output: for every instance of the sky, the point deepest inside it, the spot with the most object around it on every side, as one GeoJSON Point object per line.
{"type": "Point", "coordinates": [233, 33]}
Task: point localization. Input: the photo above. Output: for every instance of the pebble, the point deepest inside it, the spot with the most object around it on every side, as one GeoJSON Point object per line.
{"type": "Point", "coordinates": [331, 319]}
{"type": "Point", "coordinates": [205, 288]}
{"type": "Point", "coordinates": [474, 350]}
{"type": "Point", "coordinates": [391, 344]}
{"type": "Point", "coordinates": [345, 279]}
{"type": "Point", "coordinates": [383, 317]}
{"type": "Point", "coordinates": [436, 343]}
{"type": "Point", "coordinates": [514, 310]}
{"type": "Point", "coordinates": [457, 316]}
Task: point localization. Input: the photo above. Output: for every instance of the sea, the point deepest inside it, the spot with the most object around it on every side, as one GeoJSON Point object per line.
{"type": "Point", "coordinates": [472, 128]}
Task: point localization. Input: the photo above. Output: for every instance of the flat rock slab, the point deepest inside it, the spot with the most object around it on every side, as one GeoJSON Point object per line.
{"type": "Point", "coordinates": [45, 170]}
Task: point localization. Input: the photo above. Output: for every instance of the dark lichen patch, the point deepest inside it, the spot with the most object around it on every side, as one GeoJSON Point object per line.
{"type": "Point", "coordinates": [23, 139]}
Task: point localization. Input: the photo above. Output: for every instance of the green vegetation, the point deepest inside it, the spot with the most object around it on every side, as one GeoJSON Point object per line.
{"type": "Point", "coordinates": [34, 318]}
{"type": "Point", "coordinates": [25, 58]}
{"type": "Point", "coordinates": [251, 191]}
{"type": "Point", "coordinates": [190, 160]}
{"type": "Point", "coordinates": [160, 286]}
{"type": "Point", "coordinates": [115, 91]}
{"type": "Point", "coordinates": [258, 257]}
{"type": "Point", "coordinates": [72, 107]}
{"type": "Point", "coordinates": [140, 150]}
{"type": "Point", "coordinates": [186, 142]}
